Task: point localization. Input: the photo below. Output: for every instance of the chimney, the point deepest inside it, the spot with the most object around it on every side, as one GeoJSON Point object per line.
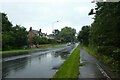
{"type": "Point", "coordinates": [39, 32]}
{"type": "Point", "coordinates": [30, 29]}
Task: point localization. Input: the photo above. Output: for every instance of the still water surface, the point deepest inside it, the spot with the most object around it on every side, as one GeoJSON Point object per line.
{"type": "Point", "coordinates": [41, 66]}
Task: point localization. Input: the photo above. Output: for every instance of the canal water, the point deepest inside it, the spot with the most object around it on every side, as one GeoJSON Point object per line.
{"type": "Point", "coordinates": [41, 66]}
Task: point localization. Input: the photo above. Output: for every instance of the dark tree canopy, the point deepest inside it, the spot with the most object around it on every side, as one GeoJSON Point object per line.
{"type": "Point", "coordinates": [13, 37]}
{"type": "Point", "coordinates": [83, 35]}
{"type": "Point", "coordinates": [68, 34]}
{"type": "Point", "coordinates": [56, 33]}
{"type": "Point", "coordinates": [104, 32]}
{"type": "Point", "coordinates": [6, 24]}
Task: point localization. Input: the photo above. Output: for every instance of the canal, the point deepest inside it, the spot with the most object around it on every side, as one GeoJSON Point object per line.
{"type": "Point", "coordinates": [40, 66]}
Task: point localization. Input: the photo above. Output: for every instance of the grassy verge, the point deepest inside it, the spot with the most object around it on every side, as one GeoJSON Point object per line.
{"type": "Point", "coordinates": [90, 50]}
{"type": "Point", "coordinates": [52, 45]}
{"type": "Point", "coordinates": [108, 61]}
{"type": "Point", "coordinates": [70, 68]}
{"type": "Point", "coordinates": [26, 51]}
{"type": "Point", "coordinates": [21, 50]}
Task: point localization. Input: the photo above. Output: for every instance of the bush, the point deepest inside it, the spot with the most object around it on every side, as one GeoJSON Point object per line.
{"type": "Point", "coordinates": [109, 51]}
{"type": "Point", "coordinates": [43, 40]}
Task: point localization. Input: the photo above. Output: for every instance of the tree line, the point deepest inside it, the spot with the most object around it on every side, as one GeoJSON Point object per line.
{"type": "Point", "coordinates": [103, 35]}
{"type": "Point", "coordinates": [13, 37]}
{"type": "Point", "coordinates": [67, 34]}
{"type": "Point", "coordinates": [16, 37]}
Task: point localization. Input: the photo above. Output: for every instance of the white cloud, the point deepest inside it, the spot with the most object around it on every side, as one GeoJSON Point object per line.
{"type": "Point", "coordinates": [82, 9]}
{"type": "Point", "coordinates": [73, 13]}
{"type": "Point", "coordinates": [49, 1]}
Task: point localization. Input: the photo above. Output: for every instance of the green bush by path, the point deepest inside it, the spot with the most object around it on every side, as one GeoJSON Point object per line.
{"type": "Point", "coordinates": [107, 60]}
{"type": "Point", "coordinates": [70, 68]}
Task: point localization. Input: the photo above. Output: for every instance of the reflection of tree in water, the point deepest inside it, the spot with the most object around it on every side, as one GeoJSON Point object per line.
{"type": "Point", "coordinates": [39, 57]}
{"type": "Point", "coordinates": [64, 53]}
{"type": "Point", "coordinates": [42, 56]}
{"type": "Point", "coordinates": [13, 65]}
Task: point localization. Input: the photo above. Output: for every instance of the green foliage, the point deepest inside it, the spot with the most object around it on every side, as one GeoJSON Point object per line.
{"type": "Point", "coordinates": [7, 41]}
{"type": "Point", "coordinates": [35, 40]}
{"type": "Point", "coordinates": [104, 32]}
{"type": "Point", "coordinates": [56, 33]}
{"type": "Point", "coordinates": [68, 34]}
{"type": "Point", "coordinates": [83, 35]}
{"type": "Point", "coordinates": [6, 24]}
{"type": "Point", "coordinates": [43, 40]}
{"type": "Point", "coordinates": [52, 41]}
{"type": "Point", "coordinates": [105, 29]}
{"type": "Point", "coordinates": [112, 63]}
{"type": "Point", "coordinates": [20, 35]}
{"type": "Point", "coordinates": [12, 37]}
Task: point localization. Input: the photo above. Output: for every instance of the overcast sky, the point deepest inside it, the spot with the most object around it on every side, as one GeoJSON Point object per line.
{"type": "Point", "coordinates": [44, 13]}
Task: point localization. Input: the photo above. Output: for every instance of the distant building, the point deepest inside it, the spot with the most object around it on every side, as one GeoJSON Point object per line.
{"type": "Point", "coordinates": [50, 36]}
{"type": "Point", "coordinates": [33, 33]}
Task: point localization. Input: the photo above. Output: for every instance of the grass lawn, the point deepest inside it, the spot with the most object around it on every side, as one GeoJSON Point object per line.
{"type": "Point", "coordinates": [17, 52]}
{"type": "Point", "coordinates": [70, 68]}
{"type": "Point", "coordinates": [21, 50]}
{"type": "Point", "coordinates": [52, 45]}
{"type": "Point", "coordinates": [25, 50]}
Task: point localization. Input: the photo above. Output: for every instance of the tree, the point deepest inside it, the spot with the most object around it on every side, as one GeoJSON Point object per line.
{"type": "Point", "coordinates": [43, 40]}
{"type": "Point", "coordinates": [7, 38]}
{"type": "Point", "coordinates": [68, 34]}
{"type": "Point", "coordinates": [56, 33]}
{"type": "Point", "coordinates": [105, 29]}
{"type": "Point", "coordinates": [7, 41]}
{"type": "Point", "coordinates": [35, 40]}
{"type": "Point", "coordinates": [12, 37]}
{"type": "Point", "coordinates": [6, 24]}
{"type": "Point", "coordinates": [83, 35]}
{"type": "Point", "coordinates": [20, 35]}
{"type": "Point", "coordinates": [104, 32]}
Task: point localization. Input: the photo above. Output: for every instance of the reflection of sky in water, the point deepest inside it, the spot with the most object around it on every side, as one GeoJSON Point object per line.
{"type": "Point", "coordinates": [34, 67]}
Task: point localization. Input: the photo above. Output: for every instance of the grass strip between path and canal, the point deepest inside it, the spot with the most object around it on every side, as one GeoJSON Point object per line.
{"type": "Point", "coordinates": [70, 68]}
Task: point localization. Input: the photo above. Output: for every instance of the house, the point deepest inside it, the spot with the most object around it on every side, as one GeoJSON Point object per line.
{"type": "Point", "coordinates": [50, 36]}
{"type": "Point", "coordinates": [33, 33]}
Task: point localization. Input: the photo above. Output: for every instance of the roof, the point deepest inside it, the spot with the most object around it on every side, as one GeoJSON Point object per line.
{"type": "Point", "coordinates": [51, 36]}
{"type": "Point", "coordinates": [35, 31]}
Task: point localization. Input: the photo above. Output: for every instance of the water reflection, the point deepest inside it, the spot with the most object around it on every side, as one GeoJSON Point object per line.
{"type": "Point", "coordinates": [13, 66]}
{"type": "Point", "coordinates": [40, 66]}
{"type": "Point", "coordinates": [63, 55]}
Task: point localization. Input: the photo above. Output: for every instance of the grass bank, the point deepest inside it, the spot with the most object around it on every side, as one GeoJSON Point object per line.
{"type": "Point", "coordinates": [26, 51]}
{"type": "Point", "coordinates": [90, 50]}
{"type": "Point", "coordinates": [70, 68]}
{"type": "Point", "coordinates": [52, 45]}
{"type": "Point", "coordinates": [106, 60]}
{"type": "Point", "coordinates": [23, 50]}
